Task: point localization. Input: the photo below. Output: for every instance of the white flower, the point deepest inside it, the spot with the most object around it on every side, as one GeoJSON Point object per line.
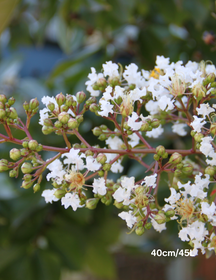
{"type": "Point", "coordinates": [92, 164]}
{"type": "Point", "coordinates": [57, 171]}
{"type": "Point", "coordinates": [198, 123]}
{"type": "Point", "coordinates": [156, 132]}
{"type": "Point", "coordinates": [132, 121]}
{"type": "Point", "coordinates": [179, 129]}
{"type": "Point", "coordinates": [150, 181]}
{"type": "Point", "coordinates": [110, 69]}
{"type": "Point", "coordinates": [165, 103]}
{"type": "Point", "coordinates": [162, 62]}
{"type": "Point", "coordinates": [49, 195]}
{"type": "Point", "coordinates": [73, 157]}
{"type": "Point", "coordinates": [128, 217]}
{"type": "Point", "coordinates": [71, 199]}
{"type": "Point", "coordinates": [204, 110]}
{"type": "Point", "coordinates": [132, 76]}
{"type": "Point", "coordinates": [206, 146]}
{"type": "Point", "coordinates": [99, 186]}
{"type": "Point", "coordinates": [208, 209]}
{"type": "Point", "coordinates": [173, 197]}
{"type": "Point", "coordinates": [105, 108]}
{"type": "Point", "coordinates": [115, 143]}
{"type": "Point", "coordinates": [117, 167]}
{"type": "Point", "coordinates": [93, 78]}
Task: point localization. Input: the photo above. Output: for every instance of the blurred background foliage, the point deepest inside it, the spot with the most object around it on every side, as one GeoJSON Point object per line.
{"type": "Point", "coordinates": [47, 47]}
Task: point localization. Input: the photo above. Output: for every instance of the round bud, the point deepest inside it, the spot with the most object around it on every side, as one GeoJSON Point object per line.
{"type": "Point", "coordinates": [187, 169]}
{"type": "Point", "coordinates": [175, 158]}
{"type": "Point", "coordinates": [160, 218]}
{"type": "Point", "coordinates": [27, 177]}
{"type": "Point", "coordinates": [170, 212]}
{"type": "Point", "coordinates": [63, 117]}
{"type": "Point", "coordinates": [72, 123]}
{"type": "Point", "coordinates": [140, 230]}
{"type": "Point", "coordinates": [3, 98]}
{"type": "Point", "coordinates": [60, 99]}
{"type": "Point", "coordinates": [210, 171]}
{"type": "Point", "coordinates": [51, 106]}
{"type": "Point", "coordinates": [81, 96]}
{"type": "Point", "coordinates": [59, 193]}
{"type": "Point", "coordinates": [36, 187]}
{"type": "Point", "coordinates": [26, 168]}
{"type": "Point", "coordinates": [101, 158]}
{"type": "Point", "coordinates": [26, 184]}
{"type": "Point", "coordinates": [156, 157]}
{"type": "Point", "coordinates": [160, 150]}
{"type": "Point", "coordinates": [24, 152]}
{"type": "Point", "coordinates": [47, 129]}
{"type": "Point", "coordinates": [2, 113]}
{"type": "Point", "coordinates": [198, 137]}
{"type": "Point", "coordinates": [102, 137]}
{"type": "Point", "coordinates": [3, 165]}
{"type": "Point", "coordinates": [155, 123]}
{"type": "Point", "coordinates": [58, 124]}
{"type": "Point", "coordinates": [199, 91]}
{"type": "Point", "coordinates": [144, 126]}
{"type": "Point", "coordinates": [25, 106]}
{"type": "Point", "coordinates": [39, 148]}
{"type": "Point", "coordinates": [91, 100]}
{"type": "Point", "coordinates": [213, 128]}
{"type": "Point", "coordinates": [34, 103]}
{"type": "Point", "coordinates": [148, 225]}
{"type": "Point", "coordinates": [79, 118]}
{"type": "Point", "coordinates": [32, 144]}
{"type": "Point", "coordinates": [12, 173]}
{"type": "Point", "coordinates": [106, 166]}
{"type": "Point", "coordinates": [13, 113]}
{"type": "Point", "coordinates": [96, 131]}
{"type": "Point", "coordinates": [89, 153]}
{"type": "Point", "coordinates": [92, 203]}
{"type": "Point", "coordinates": [15, 154]}
{"type": "Point", "coordinates": [118, 205]}
{"type": "Point", "coordinates": [94, 108]}
{"type": "Point", "coordinates": [101, 173]}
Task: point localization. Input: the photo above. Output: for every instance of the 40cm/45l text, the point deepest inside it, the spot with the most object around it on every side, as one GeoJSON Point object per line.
{"type": "Point", "coordinates": [172, 253]}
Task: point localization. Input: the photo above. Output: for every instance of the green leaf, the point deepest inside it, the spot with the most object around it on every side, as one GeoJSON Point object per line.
{"type": "Point", "coordinates": [9, 255]}
{"type": "Point", "coordinates": [6, 10]}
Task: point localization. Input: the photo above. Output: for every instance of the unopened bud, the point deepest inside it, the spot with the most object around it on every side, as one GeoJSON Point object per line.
{"type": "Point", "coordinates": [36, 187]}
{"type": "Point", "coordinates": [170, 212]}
{"type": "Point", "coordinates": [114, 81]}
{"type": "Point", "coordinates": [13, 113]}
{"type": "Point", "coordinates": [160, 218]}
{"type": "Point", "coordinates": [94, 108]}
{"type": "Point", "coordinates": [126, 108]}
{"type": "Point", "coordinates": [47, 129]}
{"type": "Point", "coordinates": [15, 154]}
{"type": "Point", "coordinates": [27, 177]}
{"type": "Point", "coordinates": [32, 144]}
{"type": "Point", "coordinates": [160, 150]}
{"type": "Point", "coordinates": [118, 205]}
{"type": "Point", "coordinates": [25, 106]}
{"type": "Point", "coordinates": [101, 173]}
{"type": "Point", "coordinates": [107, 200]}
{"type": "Point", "coordinates": [51, 106]}
{"type": "Point", "coordinates": [106, 166]}
{"type": "Point", "coordinates": [199, 91]}
{"type": "Point", "coordinates": [209, 79]}
{"type": "Point", "coordinates": [144, 126]}
{"type": "Point", "coordinates": [12, 173]}
{"type": "Point", "coordinates": [81, 96]}
{"type": "Point", "coordinates": [102, 83]}
{"type": "Point", "coordinates": [148, 225]}
{"type": "Point", "coordinates": [59, 193]}
{"type": "Point", "coordinates": [63, 117]}
{"type": "Point", "coordinates": [2, 113]}
{"type": "Point", "coordinates": [69, 100]}
{"type": "Point", "coordinates": [11, 101]}
{"type": "Point", "coordinates": [187, 169]}
{"type": "Point", "coordinates": [96, 131]}
{"type": "Point", "coordinates": [140, 230]}
{"type": "Point", "coordinates": [72, 123]}
{"type": "Point", "coordinates": [34, 103]}
{"type": "Point", "coordinates": [26, 167]}
{"type": "Point", "coordinates": [92, 203]}
{"type": "Point", "coordinates": [213, 128]}
{"type": "Point", "coordinates": [24, 152]}
{"type": "Point", "coordinates": [3, 165]}
{"type": "Point", "coordinates": [210, 171]}
{"type": "Point", "coordinates": [91, 100]}
{"type": "Point", "coordinates": [198, 137]}
{"type": "Point", "coordinates": [175, 158]}
{"type": "Point", "coordinates": [102, 137]}
{"type": "Point", "coordinates": [3, 98]}
{"type": "Point", "coordinates": [60, 99]}
{"type": "Point", "coordinates": [155, 123]}
{"type": "Point", "coordinates": [101, 158]}
{"type": "Point", "coordinates": [58, 124]}
{"type": "Point", "coordinates": [26, 184]}
{"type": "Point", "coordinates": [79, 118]}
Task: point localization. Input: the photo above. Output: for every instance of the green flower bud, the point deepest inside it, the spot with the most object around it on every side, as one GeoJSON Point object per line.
{"type": "Point", "coordinates": [2, 113]}
{"type": "Point", "coordinates": [213, 129]}
{"type": "Point", "coordinates": [198, 137]}
{"type": "Point", "coordinates": [12, 173]}
{"type": "Point", "coordinates": [160, 150]}
{"type": "Point", "coordinates": [3, 98]}
{"type": "Point", "coordinates": [59, 193]}
{"type": "Point", "coordinates": [148, 225]}
{"type": "Point", "coordinates": [47, 122]}
{"type": "Point", "coordinates": [58, 124]}
{"type": "Point", "coordinates": [13, 113]}
{"type": "Point", "coordinates": [79, 118]}
{"type": "Point", "coordinates": [102, 137]}
{"type": "Point", "coordinates": [101, 158]}
{"type": "Point", "coordinates": [156, 157]}
{"type": "Point", "coordinates": [89, 153]}
{"type": "Point", "coordinates": [72, 123]}
{"type": "Point", "coordinates": [170, 213]}
{"type": "Point", "coordinates": [34, 103]}
{"type": "Point", "coordinates": [3, 165]}
{"type": "Point", "coordinates": [177, 173]}
{"type": "Point", "coordinates": [114, 81]}
{"type": "Point", "coordinates": [187, 169]}
{"type": "Point", "coordinates": [106, 166]}
{"type": "Point", "coordinates": [101, 173]}
{"type": "Point", "coordinates": [209, 79]}
{"type": "Point", "coordinates": [96, 131]}
{"type": "Point", "coordinates": [39, 148]}
{"type": "Point", "coordinates": [175, 158]}
{"type": "Point", "coordinates": [60, 99]}
{"type": "Point", "coordinates": [94, 108]}
{"type": "Point", "coordinates": [81, 96]}
{"type": "Point", "coordinates": [26, 167]}
{"type": "Point", "coordinates": [25, 106]}
{"type": "Point", "coordinates": [51, 106]}
{"type": "Point", "coordinates": [26, 184]}
{"type": "Point", "coordinates": [11, 101]}
{"type": "Point", "coordinates": [24, 152]}
{"type": "Point", "coordinates": [47, 129]}
{"type": "Point", "coordinates": [199, 91]}
{"type": "Point", "coordinates": [193, 133]}
{"type": "Point", "coordinates": [210, 171]}
{"type": "Point", "coordinates": [63, 117]}
{"type": "Point", "coordinates": [64, 108]}
{"type": "Point", "coordinates": [102, 83]}
{"type": "Point", "coordinates": [27, 177]}
{"type": "Point", "coordinates": [155, 123]}
{"type": "Point", "coordinates": [144, 126]}
{"type": "Point", "coordinates": [36, 187]}
{"type": "Point", "coordinates": [32, 144]}
{"type": "Point", "coordinates": [92, 203]}
{"type": "Point", "coordinates": [165, 155]}
{"type": "Point", "coordinates": [140, 230]}
{"type": "Point", "coordinates": [69, 100]}
{"type": "Point", "coordinates": [2, 106]}
{"type": "Point", "coordinates": [91, 100]}
{"type": "Point", "coordinates": [103, 127]}
{"type": "Point", "coordinates": [160, 218]}
{"type": "Point", "coordinates": [126, 107]}
{"type": "Point", "coordinates": [15, 154]}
